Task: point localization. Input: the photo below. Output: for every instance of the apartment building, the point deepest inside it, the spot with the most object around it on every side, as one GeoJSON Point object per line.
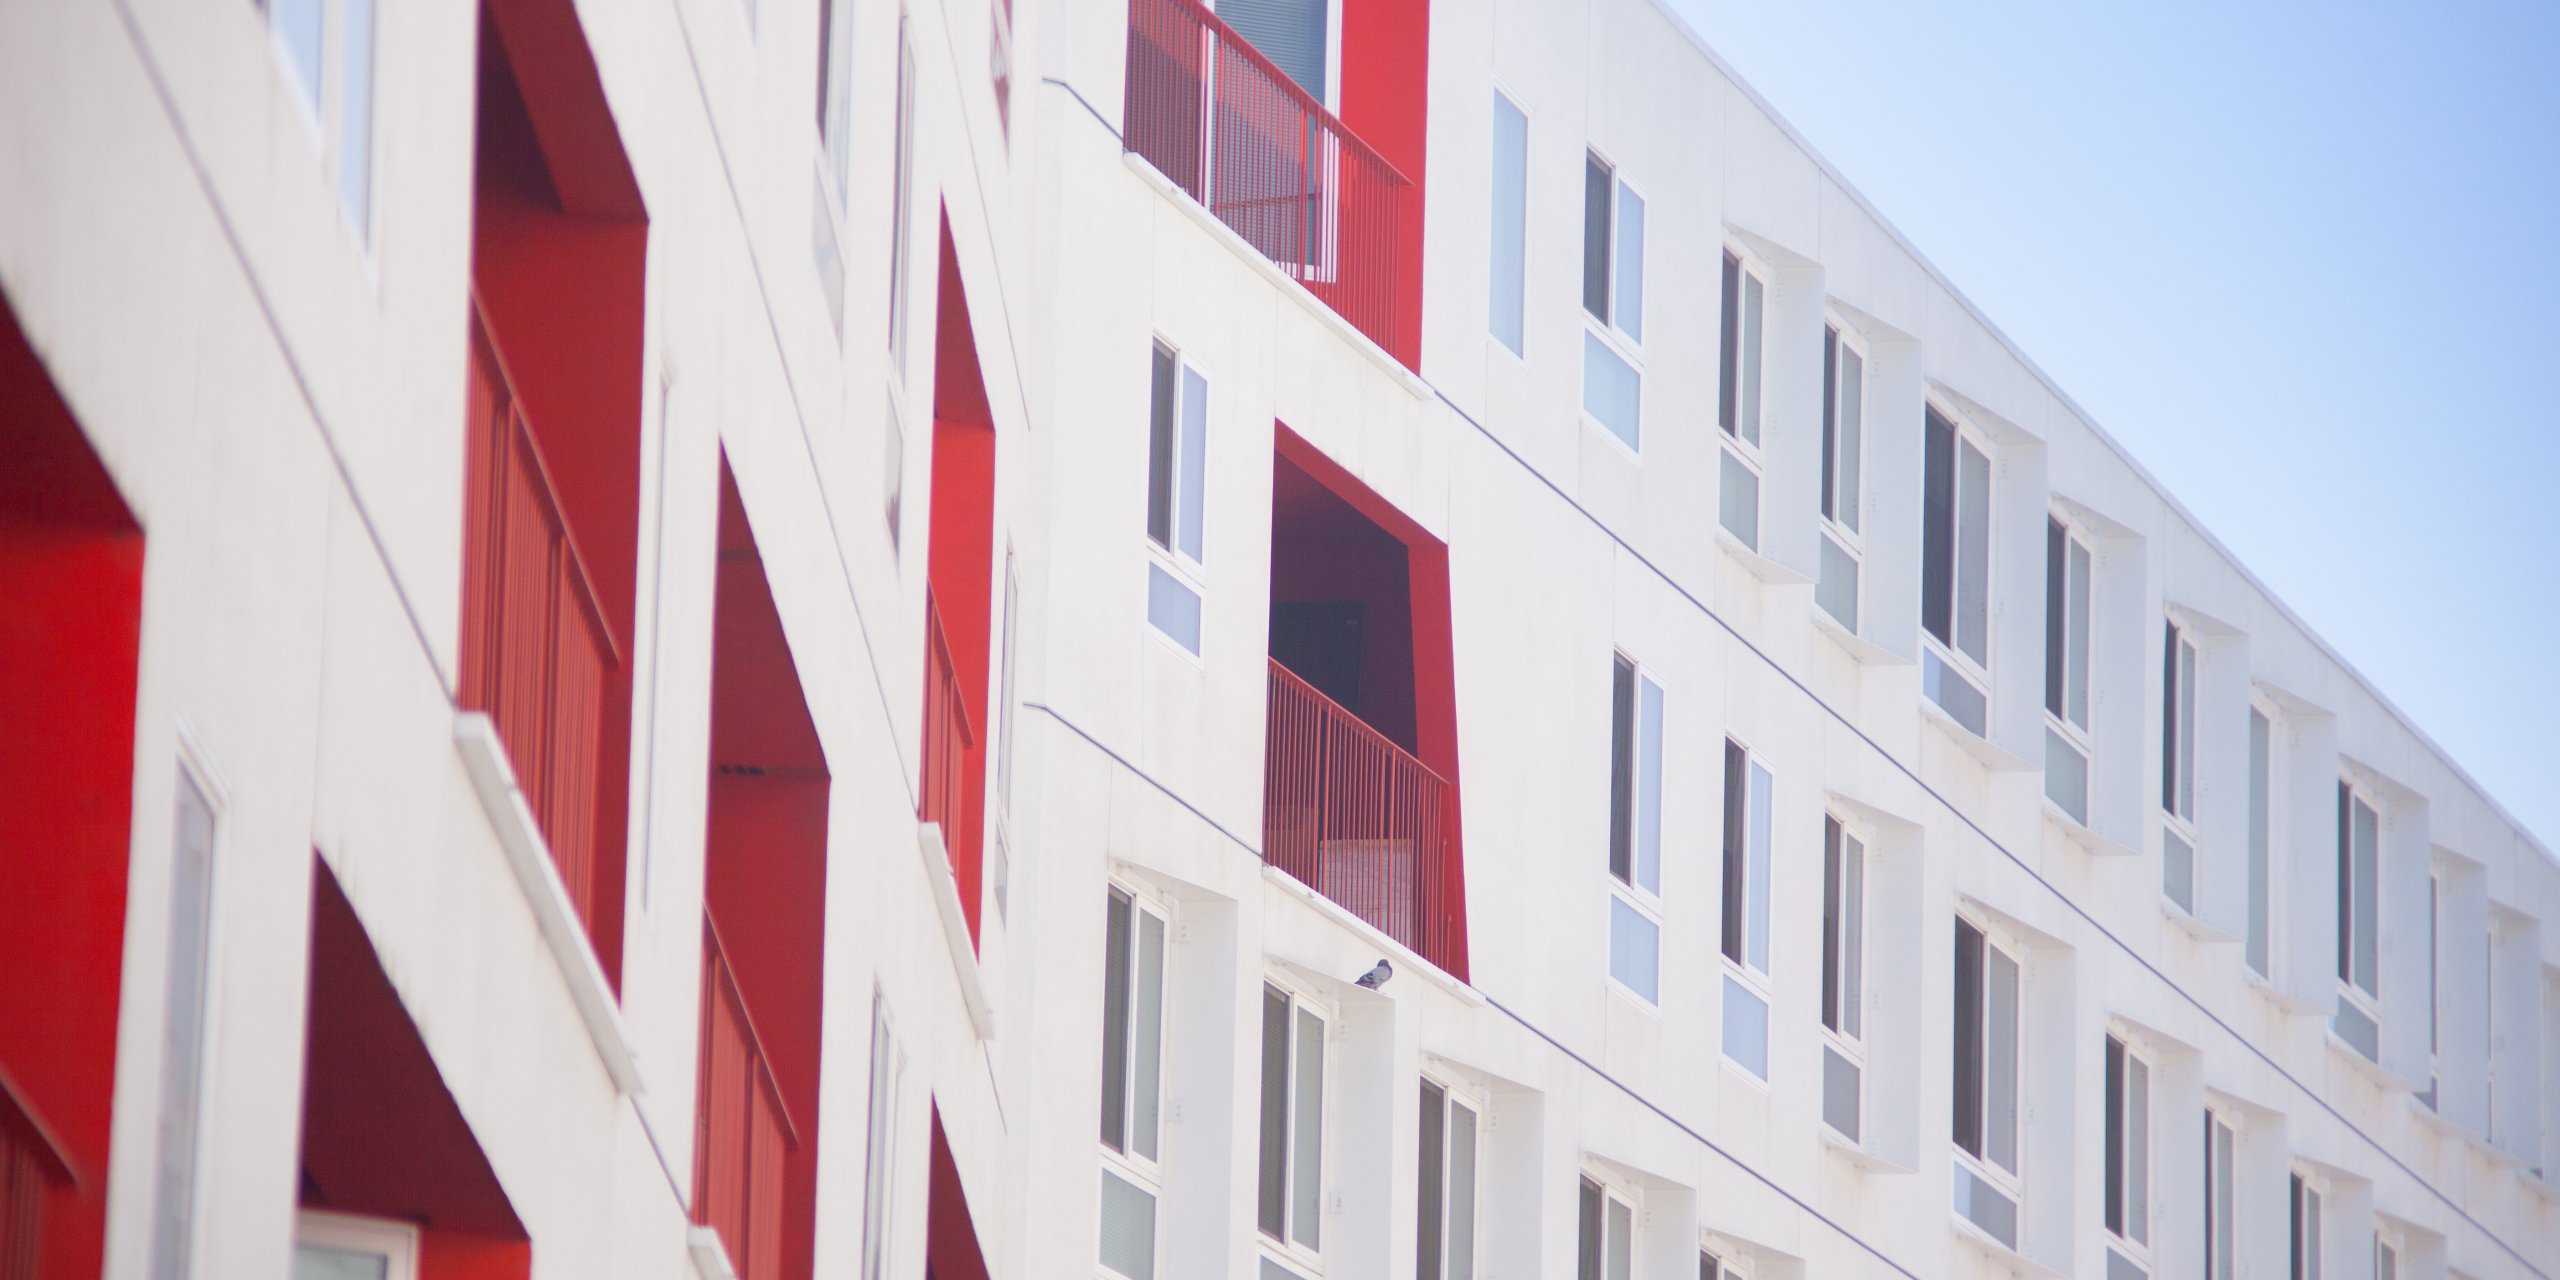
{"type": "Point", "coordinates": [762, 639]}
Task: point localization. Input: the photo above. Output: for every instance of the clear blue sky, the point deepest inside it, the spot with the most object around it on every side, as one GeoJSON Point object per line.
{"type": "Point", "coordinates": [2302, 260]}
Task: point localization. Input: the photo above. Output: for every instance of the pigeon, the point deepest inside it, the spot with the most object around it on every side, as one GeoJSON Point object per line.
{"type": "Point", "coordinates": [1377, 977]}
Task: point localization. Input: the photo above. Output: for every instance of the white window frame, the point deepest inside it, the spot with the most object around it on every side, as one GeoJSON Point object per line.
{"type": "Point", "coordinates": [2388, 1245]}
{"type": "Point", "coordinates": [1949, 653]}
{"type": "Point", "coordinates": [1720, 1260]}
{"type": "Point", "coordinates": [1847, 536]}
{"type": "Point", "coordinates": [2360, 792]}
{"type": "Point", "coordinates": [2141, 1208]}
{"type": "Point", "coordinates": [322, 102]}
{"type": "Point", "coordinates": [395, 1242]}
{"type": "Point", "coordinates": [2306, 1223]}
{"type": "Point", "coordinates": [1643, 898]}
{"type": "Point", "coordinates": [1627, 344]}
{"type": "Point", "coordinates": [2269, 914]}
{"type": "Point", "coordinates": [1614, 1194]}
{"type": "Point", "coordinates": [2009, 1182]}
{"type": "Point", "coordinates": [1456, 1093]}
{"type": "Point", "coordinates": [1847, 951]}
{"type": "Point", "coordinates": [882, 1104]}
{"type": "Point", "coordinates": [2221, 1193]}
{"type": "Point", "coordinates": [1745, 451]}
{"type": "Point", "coordinates": [1286, 1249]}
{"type": "Point", "coordinates": [2079, 737]}
{"type": "Point", "coordinates": [1188, 571]}
{"type": "Point", "coordinates": [2182, 668]}
{"type": "Point", "coordinates": [1127, 1162]}
{"type": "Point", "coordinates": [1742, 972]}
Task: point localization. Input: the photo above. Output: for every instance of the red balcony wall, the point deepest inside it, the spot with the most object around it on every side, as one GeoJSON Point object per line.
{"type": "Point", "coordinates": [951, 1233]}
{"type": "Point", "coordinates": [71, 627]}
{"type": "Point", "coordinates": [1386, 96]}
{"type": "Point", "coordinates": [960, 562]}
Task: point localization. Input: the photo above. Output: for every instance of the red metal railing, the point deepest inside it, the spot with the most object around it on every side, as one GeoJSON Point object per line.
{"type": "Point", "coordinates": [30, 1165]}
{"type": "Point", "coordinates": [1213, 115]}
{"type": "Point", "coordinates": [743, 1130]}
{"type": "Point", "coordinates": [536, 651]}
{"type": "Point", "coordinates": [948, 739]}
{"type": "Point", "coordinates": [1357, 818]}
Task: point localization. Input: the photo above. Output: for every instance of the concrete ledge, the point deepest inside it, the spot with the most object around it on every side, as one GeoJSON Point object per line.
{"type": "Point", "coordinates": [955, 928]}
{"type": "Point", "coordinates": [710, 1257]}
{"type": "Point", "coordinates": [493, 777]}
{"type": "Point", "coordinates": [1407, 960]}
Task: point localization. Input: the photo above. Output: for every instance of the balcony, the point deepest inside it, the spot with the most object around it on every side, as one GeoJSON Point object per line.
{"type": "Point", "coordinates": [1236, 134]}
{"type": "Point", "coordinates": [745, 1135]}
{"type": "Point", "coordinates": [1357, 818]}
{"type": "Point", "coordinates": [30, 1168]}
{"type": "Point", "coordinates": [537, 653]}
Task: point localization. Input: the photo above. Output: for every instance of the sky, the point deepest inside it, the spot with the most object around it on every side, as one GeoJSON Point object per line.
{"type": "Point", "coordinates": [2301, 260]}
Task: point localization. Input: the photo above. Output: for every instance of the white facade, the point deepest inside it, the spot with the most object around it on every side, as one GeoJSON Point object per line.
{"type": "Point", "coordinates": [273, 379]}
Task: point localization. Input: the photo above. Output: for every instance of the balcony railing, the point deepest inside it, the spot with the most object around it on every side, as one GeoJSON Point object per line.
{"type": "Point", "coordinates": [743, 1130]}
{"type": "Point", "coordinates": [536, 651]}
{"type": "Point", "coordinates": [1216, 118]}
{"type": "Point", "coordinates": [30, 1166]}
{"type": "Point", "coordinates": [1358, 819]}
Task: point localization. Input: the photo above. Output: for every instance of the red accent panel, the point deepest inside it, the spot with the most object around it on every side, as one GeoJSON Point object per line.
{"type": "Point", "coordinates": [456, 1255]}
{"type": "Point", "coordinates": [960, 568]}
{"type": "Point", "coordinates": [1386, 97]}
{"type": "Point", "coordinates": [71, 627]}
{"type": "Point", "coordinates": [951, 1237]}
{"type": "Point", "coordinates": [581, 147]}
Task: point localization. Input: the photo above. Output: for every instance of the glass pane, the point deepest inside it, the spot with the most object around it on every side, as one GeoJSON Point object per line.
{"type": "Point", "coordinates": [2386, 1262]}
{"type": "Point", "coordinates": [2178, 870]}
{"type": "Point", "coordinates": [1840, 1093]}
{"type": "Point", "coordinates": [1160, 421]}
{"type": "Point", "coordinates": [1853, 977]}
{"type": "Point", "coordinates": [2066, 776]}
{"type": "Point", "coordinates": [1306, 1166]}
{"type": "Point", "coordinates": [1830, 502]}
{"type": "Point", "coordinates": [1292, 34]}
{"type": "Point", "coordinates": [1596, 184]}
{"type": "Point", "coordinates": [1622, 1241]}
{"type": "Point", "coordinates": [1853, 409]}
{"type": "Point", "coordinates": [1461, 1233]}
{"type": "Point", "coordinates": [1630, 304]}
{"type": "Point", "coordinates": [355, 116]}
{"type": "Point", "coordinates": [297, 28]}
{"type": "Point", "coordinates": [2001, 1061]}
{"type": "Point", "coordinates": [1115, 1022]}
{"type": "Point", "coordinates": [1955, 693]}
{"type": "Point", "coordinates": [1937, 525]}
{"type": "Point", "coordinates": [1728, 340]}
{"type": "Point", "coordinates": [2075, 687]}
{"type": "Point", "coordinates": [1986, 1206]}
{"type": "Point", "coordinates": [1762, 801]}
{"type": "Point", "coordinates": [1832, 901]}
{"type": "Point", "coordinates": [1173, 608]}
{"type": "Point", "coordinates": [1149, 1053]}
{"type": "Point", "coordinates": [2357, 1028]}
{"type": "Point", "coordinates": [1649, 785]}
{"type": "Point", "coordinates": [836, 39]}
{"type": "Point", "coordinates": [1195, 460]}
{"type": "Point", "coordinates": [1837, 589]}
{"type": "Point", "coordinates": [1622, 768]}
{"type": "Point", "coordinates": [1272, 1270]}
{"type": "Point", "coordinates": [321, 1262]}
{"type": "Point", "coordinates": [827, 256]}
{"type": "Point", "coordinates": [2261, 784]}
{"type": "Point", "coordinates": [2137, 1164]}
{"type": "Point", "coordinates": [1586, 1250]}
{"type": "Point", "coordinates": [2226, 1229]}
{"type": "Point", "coordinates": [1738, 500]}
{"type": "Point", "coordinates": [1965, 1118]}
{"type": "Point", "coordinates": [1746, 1027]}
{"type": "Point", "coordinates": [1634, 945]}
{"type": "Point", "coordinates": [2057, 628]}
{"type": "Point", "coordinates": [2186, 729]}
{"type": "Point", "coordinates": [1508, 303]}
{"type": "Point", "coordinates": [1973, 553]}
{"type": "Point", "coordinates": [1430, 1190]}
{"type": "Point", "coordinates": [1128, 1228]}
{"type": "Point", "coordinates": [182, 1025]}
{"type": "Point", "coordinates": [2368, 840]}
{"type": "Point", "coordinates": [1747, 406]}
{"type": "Point", "coordinates": [1271, 1208]}
{"type": "Point", "coordinates": [2120, 1267]}
{"type": "Point", "coordinates": [1610, 389]}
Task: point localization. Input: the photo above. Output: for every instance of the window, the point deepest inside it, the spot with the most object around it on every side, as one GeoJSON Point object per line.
{"type": "Point", "coordinates": [1132, 1082]}
{"type": "Point", "coordinates": [1445, 1193]}
{"type": "Point", "coordinates": [2359, 882]}
{"type": "Point", "coordinates": [2128, 1172]}
{"type": "Point", "coordinates": [1986, 1082]}
{"type": "Point", "coordinates": [182, 1026]}
{"type": "Point", "coordinates": [1509, 302]}
{"type": "Point", "coordinates": [1291, 33]}
{"type": "Point", "coordinates": [1955, 571]}
{"type": "Point", "coordinates": [835, 52]}
{"type": "Point", "coordinates": [1748, 795]}
{"type": "Point", "coordinates": [1613, 297]}
{"type": "Point", "coordinates": [1605, 1242]}
{"type": "Point", "coordinates": [300, 32]}
{"type": "Point", "coordinates": [2386, 1253]}
{"type": "Point", "coordinates": [1714, 1264]}
{"type": "Point", "coordinates": [2178, 767]}
{"type": "Point", "coordinates": [337, 1246]}
{"type": "Point", "coordinates": [1635, 829]}
{"type": "Point", "coordinates": [1844, 398]}
{"type": "Point", "coordinates": [2435, 988]}
{"type": "Point", "coordinates": [2221, 1227]}
{"type": "Point", "coordinates": [1177, 474]}
{"type": "Point", "coordinates": [1289, 1207]}
{"type": "Point", "coordinates": [2068, 650]}
{"type": "Point", "coordinates": [2306, 1227]}
{"type": "Point", "coordinates": [1844, 968]}
{"type": "Point", "coordinates": [888, 1072]}
{"type": "Point", "coordinates": [2262, 787]}
{"type": "Point", "coordinates": [1746, 289]}
{"type": "Point", "coordinates": [901, 194]}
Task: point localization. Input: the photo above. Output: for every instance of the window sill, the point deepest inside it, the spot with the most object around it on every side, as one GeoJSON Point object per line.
{"type": "Point", "coordinates": [710, 1257]}
{"type": "Point", "coordinates": [2085, 837]}
{"type": "Point", "coordinates": [2016, 1264]}
{"type": "Point", "coordinates": [1974, 744]}
{"type": "Point", "coordinates": [2285, 1002]}
{"type": "Point", "coordinates": [493, 779]}
{"type": "Point", "coordinates": [2196, 926]}
{"type": "Point", "coordinates": [955, 928]}
{"type": "Point", "coordinates": [2443, 1126]}
{"type": "Point", "coordinates": [2375, 1073]}
{"type": "Point", "coordinates": [1857, 1153]}
{"type": "Point", "coordinates": [1760, 566]}
{"type": "Point", "coordinates": [1859, 647]}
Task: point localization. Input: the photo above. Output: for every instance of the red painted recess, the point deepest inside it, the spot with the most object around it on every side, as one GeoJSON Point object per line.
{"type": "Point", "coordinates": [71, 630]}
{"type": "Point", "coordinates": [559, 255]}
{"type": "Point", "coordinates": [960, 569]}
{"type": "Point", "coordinates": [764, 896]}
{"type": "Point", "coordinates": [951, 1235]}
{"type": "Point", "coordinates": [1343, 545]}
{"type": "Point", "coordinates": [1386, 82]}
{"type": "Point", "coordinates": [381, 1134]}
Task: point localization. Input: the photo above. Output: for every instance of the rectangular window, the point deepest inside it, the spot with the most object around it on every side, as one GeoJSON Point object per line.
{"type": "Point", "coordinates": [1955, 571]}
{"type": "Point", "coordinates": [1177, 480]}
{"type": "Point", "coordinates": [1635, 829]}
{"type": "Point", "coordinates": [2178, 766]}
{"type": "Point", "coordinates": [1844, 960]}
{"type": "Point", "coordinates": [355, 116]}
{"type": "Point", "coordinates": [2386, 1255]}
{"type": "Point", "coordinates": [1986, 1082]}
{"type": "Point", "coordinates": [901, 194]}
{"type": "Point", "coordinates": [1290, 1203]}
{"type": "Point", "coordinates": [182, 1026]}
{"type": "Point", "coordinates": [1748, 795]}
{"type": "Point", "coordinates": [1293, 34]}
{"type": "Point", "coordinates": [2069, 655]}
{"type": "Point", "coordinates": [1844, 395]}
{"type": "Point", "coordinates": [2359, 917]}
{"type": "Point", "coordinates": [888, 1069]}
{"type": "Point", "coordinates": [1132, 1082]}
{"type": "Point", "coordinates": [835, 90]}
{"type": "Point", "coordinates": [1739, 362]}
{"type": "Point", "coordinates": [2306, 1228]}
{"type": "Point", "coordinates": [1445, 1191]}
{"type": "Point", "coordinates": [2262, 786]}
{"type": "Point", "coordinates": [1605, 1235]}
{"type": "Point", "coordinates": [2221, 1228]}
{"type": "Point", "coordinates": [297, 27]}
{"type": "Point", "coordinates": [2435, 989]}
{"type": "Point", "coordinates": [2127, 1200]}
{"type": "Point", "coordinates": [1613, 298]}
{"type": "Point", "coordinates": [1509, 301]}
